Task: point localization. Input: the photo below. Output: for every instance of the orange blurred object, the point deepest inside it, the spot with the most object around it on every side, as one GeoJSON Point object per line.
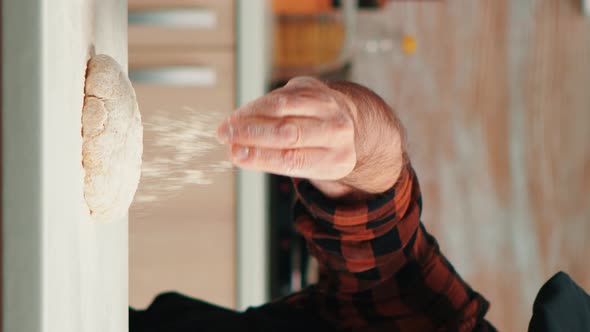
{"type": "Point", "coordinates": [307, 41]}
{"type": "Point", "coordinates": [409, 44]}
{"type": "Point", "coordinates": [301, 7]}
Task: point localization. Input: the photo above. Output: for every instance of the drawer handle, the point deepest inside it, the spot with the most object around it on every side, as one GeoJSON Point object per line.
{"type": "Point", "coordinates": [178, 76]}
{"type": "Point", "coordinates": [196, 18]}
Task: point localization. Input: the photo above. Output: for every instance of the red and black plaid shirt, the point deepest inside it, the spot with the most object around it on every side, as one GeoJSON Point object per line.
{"type": "Point", "coordinates": [380, 269]}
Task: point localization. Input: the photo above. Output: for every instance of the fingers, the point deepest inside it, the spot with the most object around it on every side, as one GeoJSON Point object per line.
{"type": "Point", "coordinates": [306, 162]}
{"type": "Point", "coordinates": [304, 129]}
{"type": "Point", "coordinates": [291, 132]}
{"type": "Point", "coordinates": [293, 101]}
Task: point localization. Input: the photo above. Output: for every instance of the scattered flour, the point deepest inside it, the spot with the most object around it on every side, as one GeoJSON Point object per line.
{"type": "Point", "coordinates": [177, 147]}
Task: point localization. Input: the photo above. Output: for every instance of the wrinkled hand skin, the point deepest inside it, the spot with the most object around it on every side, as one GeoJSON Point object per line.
{"type": "Point", "coordinates": [337, 134]}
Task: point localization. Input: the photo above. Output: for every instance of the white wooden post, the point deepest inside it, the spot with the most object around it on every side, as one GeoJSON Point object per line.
{"type": "Point", "coordinates": [253, 72]}
{"type": "Point", "coordinates": [62, 273]}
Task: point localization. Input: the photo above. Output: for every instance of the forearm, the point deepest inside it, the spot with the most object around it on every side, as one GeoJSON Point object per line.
{"type": "Point", "coordinates": [379, 144]}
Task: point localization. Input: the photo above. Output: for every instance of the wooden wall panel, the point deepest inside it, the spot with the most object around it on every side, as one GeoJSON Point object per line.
{"type": "Point", "coordinates": [497, 105]}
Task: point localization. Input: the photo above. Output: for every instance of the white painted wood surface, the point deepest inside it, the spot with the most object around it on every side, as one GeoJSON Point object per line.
{"type": "Point", "coordinates": [253, 61]}
{"type": "Point", "coordinates": [62, 273]}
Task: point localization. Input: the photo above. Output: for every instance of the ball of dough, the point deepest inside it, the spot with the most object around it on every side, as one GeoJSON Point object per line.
{"type": "Point", "coordinates": [112, 140]}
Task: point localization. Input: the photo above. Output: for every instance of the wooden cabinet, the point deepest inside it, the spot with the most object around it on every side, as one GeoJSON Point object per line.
{"type": "Point", "coordinates": [182, 222]}
{"type": "Point", "coordinates": [181, 24]}
{"type": "Point", "coordinates": [201, 80]}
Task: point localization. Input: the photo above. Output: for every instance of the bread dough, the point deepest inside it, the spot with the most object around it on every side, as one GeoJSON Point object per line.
{"type": "Point", "coordinates": [112, 140]}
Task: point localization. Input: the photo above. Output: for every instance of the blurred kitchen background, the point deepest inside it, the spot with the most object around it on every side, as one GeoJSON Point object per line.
{"type": "Point", "coordinates": [494, 94]}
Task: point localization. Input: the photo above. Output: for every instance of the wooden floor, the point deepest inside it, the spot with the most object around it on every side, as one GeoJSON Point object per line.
{"type": "Point", "coordinates": [497, 104]}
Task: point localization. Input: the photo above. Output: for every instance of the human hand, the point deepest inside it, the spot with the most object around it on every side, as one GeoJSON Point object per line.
{"type": "Point", "coordinates": [311, 130]}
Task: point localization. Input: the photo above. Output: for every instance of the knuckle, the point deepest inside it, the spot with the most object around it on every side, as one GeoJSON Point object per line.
{"type": "Point", "coordinates": [343, 156]}
{"type": "Point", "coordinates": [289, 133]}
{"type": "Point", "coordinates": [260, 157]}
{"type": "Point", "coordinates": [238, 132]}
{"type": "Point", "coordinates": [242, 132]}
{"type": "Point", "coordinates": [343, 126]}
{"type": "Point", "coordinates": [332, 101]}
{"type": "Point", "coordinates": [342, 121]}
{"type": "Point", "coordinates": [275, 101]}
{"type": "Point", "coordinates": [344, 161]}
{"type": "Point", "coordinates": [254, 131]}
{"type": "Point", "coordinates": [293, 160]}
{"type": "Point", "coordinates": [281, 100]}
{"type": "Point", "coordinates": [306, 92]}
